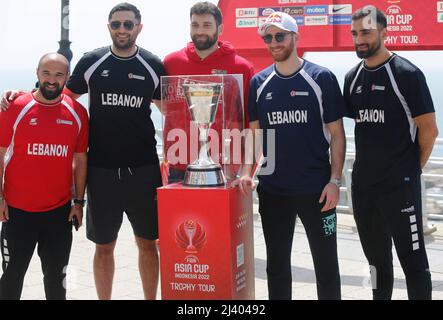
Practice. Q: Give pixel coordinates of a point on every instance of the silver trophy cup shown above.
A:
(202, 100)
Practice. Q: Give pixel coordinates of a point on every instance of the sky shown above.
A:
(30, 28)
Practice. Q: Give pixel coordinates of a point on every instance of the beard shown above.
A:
(129, 43)
(285, 54)
(205, 44)
(372, 49)
(50, 94)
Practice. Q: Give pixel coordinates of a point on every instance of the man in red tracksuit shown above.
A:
(43, 144)
(205, 55)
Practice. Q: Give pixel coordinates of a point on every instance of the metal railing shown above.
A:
(432, 182)
(432, 186)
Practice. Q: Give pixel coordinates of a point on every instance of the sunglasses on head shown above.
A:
(128, 25)
(279, 37)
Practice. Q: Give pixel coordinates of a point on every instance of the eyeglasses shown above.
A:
(279, 37)
(128, 25)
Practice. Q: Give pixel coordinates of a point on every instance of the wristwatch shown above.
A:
(337, 182)
(1, 197)
(80, 202)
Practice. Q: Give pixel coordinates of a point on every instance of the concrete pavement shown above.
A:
(353, 266)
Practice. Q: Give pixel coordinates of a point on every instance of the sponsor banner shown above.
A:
(265, 12)
(412, 25)
(402, 25)
(340, 9)
(246, 12)
(399, 20)
(300, 21)
(316, 10)
(340, 20)
(316, 20)
(247, 23)
(294, 11)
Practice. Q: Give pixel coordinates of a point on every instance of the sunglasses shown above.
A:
(128, 25)
(279, 37)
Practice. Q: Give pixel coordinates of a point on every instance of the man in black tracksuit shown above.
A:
(395, 129)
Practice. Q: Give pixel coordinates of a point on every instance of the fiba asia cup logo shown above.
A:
(190, 236)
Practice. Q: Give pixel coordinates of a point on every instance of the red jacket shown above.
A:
(224, 60)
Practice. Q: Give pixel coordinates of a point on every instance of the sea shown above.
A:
(25, 80)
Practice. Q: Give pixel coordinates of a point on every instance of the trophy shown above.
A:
(202, 100)
(190, 229)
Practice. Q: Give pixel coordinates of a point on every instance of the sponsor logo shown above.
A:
(266, 12)
(300, 20)
(377, 88)
(67, 122)
(340, 20)
(359, 89)
(247, 23)
(340, 9)
(190, 236)
(440, 17)
(330, 224)
(294, 11)
(299, 93)
(316, 10)
(316, 20)
(408, 210)
(393, 10)
(440, 6)
(269, 96)
(246, 12)
(105, 73)
(136, 77)
(191, 259)
(33, 122)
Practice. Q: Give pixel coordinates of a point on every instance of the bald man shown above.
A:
(43, 144)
